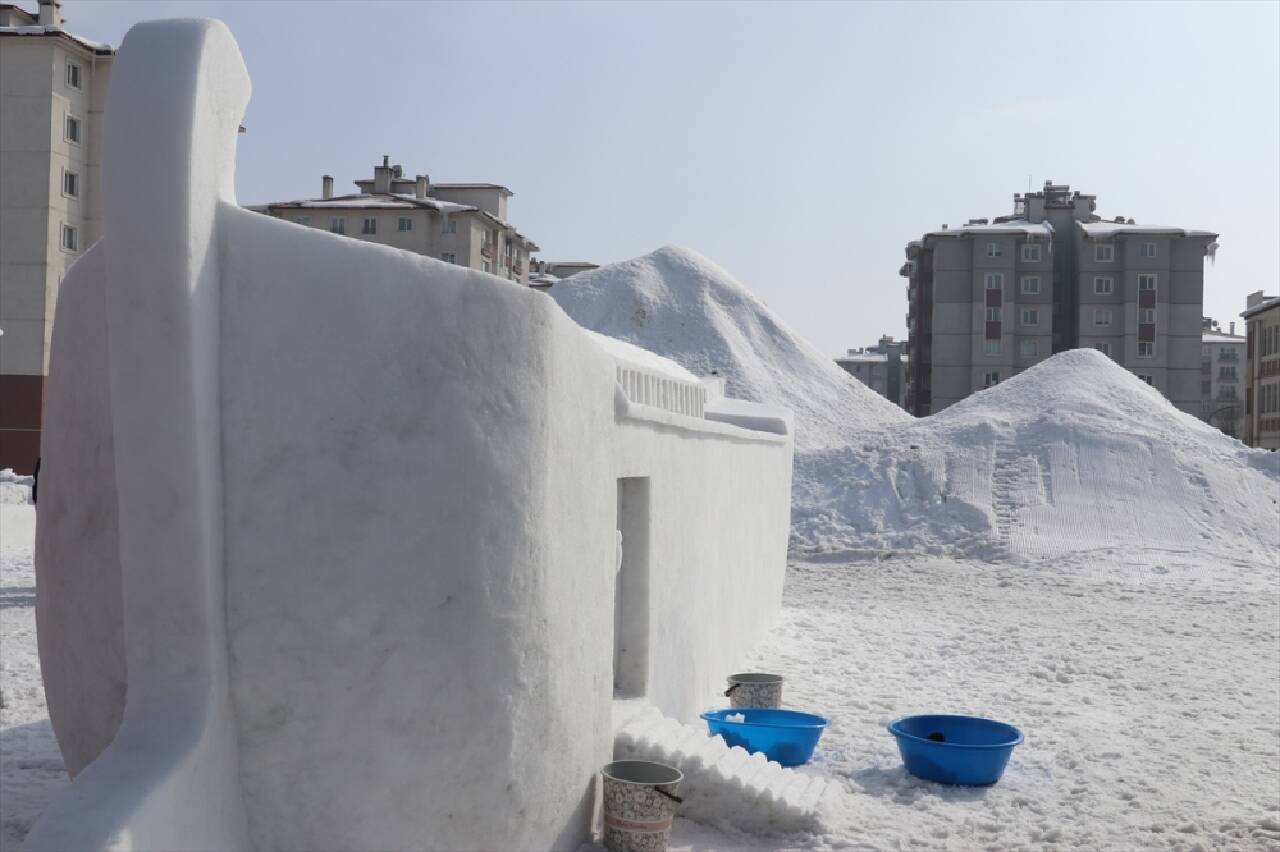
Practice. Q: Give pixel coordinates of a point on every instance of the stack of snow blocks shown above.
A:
(328, 532)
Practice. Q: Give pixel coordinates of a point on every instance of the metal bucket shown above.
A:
(752, 689)
(639, 802)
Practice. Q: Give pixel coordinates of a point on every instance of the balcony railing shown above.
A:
(486, 251)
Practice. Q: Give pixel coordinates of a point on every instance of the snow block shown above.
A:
(328, 534)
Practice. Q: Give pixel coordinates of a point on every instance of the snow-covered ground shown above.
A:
(1147, 682)
(1065, 551)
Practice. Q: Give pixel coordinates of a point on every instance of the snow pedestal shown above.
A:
(327, 546)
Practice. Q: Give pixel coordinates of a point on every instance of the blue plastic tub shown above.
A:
(787, 736)
(955, 749)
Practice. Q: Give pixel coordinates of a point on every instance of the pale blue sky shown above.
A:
(798, 145)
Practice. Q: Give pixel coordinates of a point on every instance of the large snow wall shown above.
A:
(343, 547)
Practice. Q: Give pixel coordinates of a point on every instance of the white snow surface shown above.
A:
(684, 307)
(1075, 454)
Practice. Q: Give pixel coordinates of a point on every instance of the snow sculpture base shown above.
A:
(328, 542)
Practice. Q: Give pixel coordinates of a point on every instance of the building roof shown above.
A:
(57, 32)
(1013, 226)
(1220, 337)
(505, 191)
(1103, 230)
(1265, 305)
(393, 201)
(865, 358)
(363, 201)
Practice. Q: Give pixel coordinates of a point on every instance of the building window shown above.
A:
(449, 257)
(993, 249)
(1031, 284)
(302, 220)
(991, 377)
(1101, 316)
(337, 225)
(1103, 347)
(1031, 252)
(70, 238)
(1146, 282)
(1146, 315)
(1146, 377)
(991, 347)
(488, 267)
(449, 226)
(1030, 316)
(994, 281)
(1228, 373)
(993, 314)
(1146, 349)
(73, 75)
(1104, 252)
(1147, 250)
(405, 224)
(370, 225)
(1029, 347)
(70, 183)
(1103, 286)
(72, 131)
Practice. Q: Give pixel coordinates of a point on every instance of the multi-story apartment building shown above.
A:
(462, 223)
(1262, 371)
(562, 268)
(52, 89)
(1222, 365)
(991, 298)
(881, 367)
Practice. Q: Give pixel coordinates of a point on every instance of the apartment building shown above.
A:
(990, 298)
(53, 86)
(1222, 365)
(462, 223)
(881, 367)
(1262, 371)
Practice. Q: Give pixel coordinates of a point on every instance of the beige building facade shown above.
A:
(53, 86)
(462, 223)
(1262, 371)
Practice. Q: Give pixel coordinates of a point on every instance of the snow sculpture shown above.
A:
(328, 544)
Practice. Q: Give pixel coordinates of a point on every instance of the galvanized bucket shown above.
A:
(639, 803)
(751, 689)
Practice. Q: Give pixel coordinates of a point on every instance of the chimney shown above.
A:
(420, 187)
(50, 13)
(326, 186)
(1233, 328)
(382, 176)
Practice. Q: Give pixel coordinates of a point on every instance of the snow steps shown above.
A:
(727, 787)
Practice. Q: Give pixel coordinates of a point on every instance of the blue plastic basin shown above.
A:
(786, 736)
(955, 749)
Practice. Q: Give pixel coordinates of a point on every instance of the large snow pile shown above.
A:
(1075, 454)
(1071, 455)
(679, 304)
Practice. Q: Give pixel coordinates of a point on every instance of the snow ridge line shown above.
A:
(725, 787)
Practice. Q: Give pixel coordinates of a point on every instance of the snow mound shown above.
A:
(1075, 454)
(14, 488)
(684, 307)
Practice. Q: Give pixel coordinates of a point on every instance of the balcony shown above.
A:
(517, 268)
(486, 251)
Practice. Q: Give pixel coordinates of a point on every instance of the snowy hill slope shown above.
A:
(681, 305)
(1073, 455)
